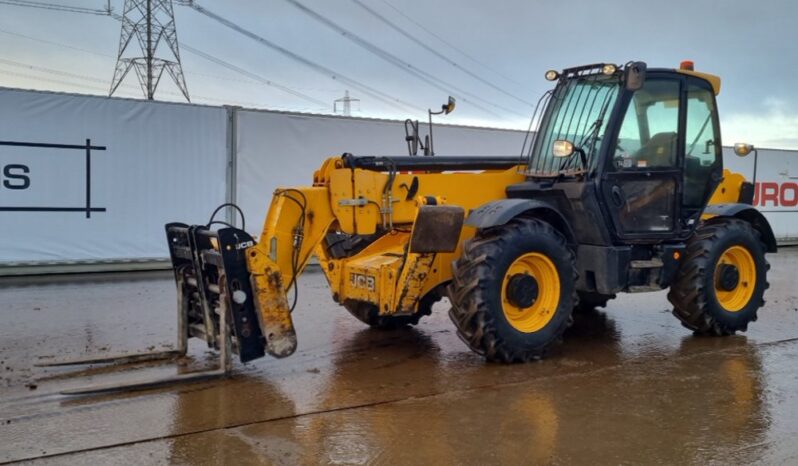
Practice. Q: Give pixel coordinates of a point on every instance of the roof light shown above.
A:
(687, 65)
(609, 69)
(552, 75)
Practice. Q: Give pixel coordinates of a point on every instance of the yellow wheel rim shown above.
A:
(535, 317)
(736, 299)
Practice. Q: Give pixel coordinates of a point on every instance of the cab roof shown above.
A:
(711, 78)
(686, 67)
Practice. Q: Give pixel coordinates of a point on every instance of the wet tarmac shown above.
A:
(628, 386)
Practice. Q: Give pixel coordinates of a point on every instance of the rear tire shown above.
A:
(701, 300)
(492, 321)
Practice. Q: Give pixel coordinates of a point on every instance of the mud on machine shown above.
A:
(620, 188)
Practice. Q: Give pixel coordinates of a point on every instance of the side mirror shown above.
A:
(562, 148)
(635, 75)
(449, 107)
(742, 149)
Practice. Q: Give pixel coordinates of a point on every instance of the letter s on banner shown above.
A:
(16, 176)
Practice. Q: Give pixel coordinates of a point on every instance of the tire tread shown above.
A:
(473, 272)
(688, 293)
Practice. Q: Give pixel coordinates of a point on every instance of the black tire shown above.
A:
(589, 301)
(478, 277)
(693, 293)
(369, 314)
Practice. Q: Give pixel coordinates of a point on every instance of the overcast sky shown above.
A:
(509, 45)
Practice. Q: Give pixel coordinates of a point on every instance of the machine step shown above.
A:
(646, 264)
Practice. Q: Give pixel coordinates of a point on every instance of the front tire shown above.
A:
(722, 281)
(512, 291)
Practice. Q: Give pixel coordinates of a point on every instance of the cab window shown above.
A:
(702, 147)
(648, 137)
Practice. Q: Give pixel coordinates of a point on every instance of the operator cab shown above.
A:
(628, 150)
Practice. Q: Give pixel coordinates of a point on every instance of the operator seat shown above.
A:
(659, 151)
(649, 205)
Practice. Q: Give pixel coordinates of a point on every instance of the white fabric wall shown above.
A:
(164, 162)
(282, 149)
(167, 162)
(278, 149)
(777, 179)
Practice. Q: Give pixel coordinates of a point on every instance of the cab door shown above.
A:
(641, 183)
(703, 154)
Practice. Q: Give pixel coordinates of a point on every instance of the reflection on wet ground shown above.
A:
(629, 385)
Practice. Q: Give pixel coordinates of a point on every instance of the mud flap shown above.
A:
(211, 273)
(436, 229)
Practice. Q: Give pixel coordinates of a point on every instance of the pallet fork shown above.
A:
(214, 304)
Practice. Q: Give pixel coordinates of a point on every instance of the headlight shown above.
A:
(609, 70)
(742, 149)
(552, 75)
(562, 148)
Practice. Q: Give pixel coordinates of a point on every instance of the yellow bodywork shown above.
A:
(727, 192)
(386, 273)
(353, 201)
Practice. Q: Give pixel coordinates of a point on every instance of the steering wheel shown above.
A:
(618, 160)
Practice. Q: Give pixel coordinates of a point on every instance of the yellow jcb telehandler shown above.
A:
(620, 188)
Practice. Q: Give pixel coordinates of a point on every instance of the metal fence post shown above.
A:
(231, 176)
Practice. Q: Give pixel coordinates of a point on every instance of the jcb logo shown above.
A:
(244, 245)
(359, 280)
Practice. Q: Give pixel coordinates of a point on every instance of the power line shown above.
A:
(58, 44)
(150, 22)
(366, 89)
(242, 71)
(51, 71)
(384, 97)
(399, 63)
(66, 74)
(251, 75)
(56, 7)
(58, 81)
(450, 45)
(102, 90)
(255, 79)
(438, 54)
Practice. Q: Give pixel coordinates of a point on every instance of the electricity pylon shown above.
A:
(347, 101)
(151, 22)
